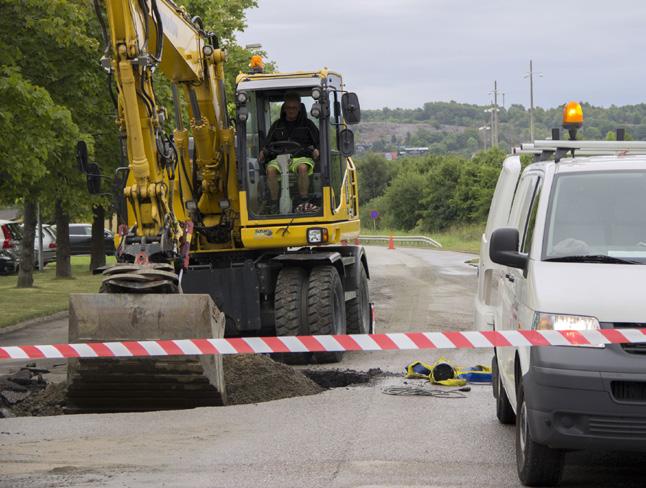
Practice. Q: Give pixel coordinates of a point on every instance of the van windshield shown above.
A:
(599, 215)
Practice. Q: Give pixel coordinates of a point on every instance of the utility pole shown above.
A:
(483, 129)
(491, 125)
(494, 115)
(530, 75)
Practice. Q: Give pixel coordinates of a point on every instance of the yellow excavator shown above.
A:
(238, 223)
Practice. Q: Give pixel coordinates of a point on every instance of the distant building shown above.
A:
(391, 156)
(412, 151)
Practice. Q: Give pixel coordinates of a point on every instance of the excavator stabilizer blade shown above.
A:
(140, 384)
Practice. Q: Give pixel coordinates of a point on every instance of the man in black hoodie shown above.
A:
(293, 125)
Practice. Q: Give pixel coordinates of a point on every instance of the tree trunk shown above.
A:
(26, 272)
(97, 258)
(63, 251)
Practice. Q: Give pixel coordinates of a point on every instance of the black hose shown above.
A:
(182, 163)
(195, 106)
(149, 102)
(113, 96)
(104, 29)
(143, 5)
(197, 21)
(160, 31)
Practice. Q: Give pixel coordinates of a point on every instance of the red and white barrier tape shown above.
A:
(322, 343)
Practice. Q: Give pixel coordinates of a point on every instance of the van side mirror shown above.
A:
(503, 248)
(81, 156)
(346, 143)
(93, 179)
(351, 108)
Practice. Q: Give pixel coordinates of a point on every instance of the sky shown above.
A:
(403, 53)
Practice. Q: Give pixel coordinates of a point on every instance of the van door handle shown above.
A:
(510, 277)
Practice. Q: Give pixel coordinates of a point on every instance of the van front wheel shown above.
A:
(537, 465)
(504, 412)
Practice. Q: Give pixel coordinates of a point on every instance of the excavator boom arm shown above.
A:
(149, 34)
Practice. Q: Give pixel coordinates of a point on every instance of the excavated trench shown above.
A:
(249, 379)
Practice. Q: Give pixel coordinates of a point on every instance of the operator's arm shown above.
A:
(315, 139)
(274, 135)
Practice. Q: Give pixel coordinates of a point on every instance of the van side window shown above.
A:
(522, 203)
(531, 220)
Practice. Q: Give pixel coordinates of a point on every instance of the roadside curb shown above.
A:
(35, 321)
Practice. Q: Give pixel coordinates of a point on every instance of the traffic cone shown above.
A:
(391, 243)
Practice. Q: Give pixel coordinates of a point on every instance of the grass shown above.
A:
(460, 238)
(49, 294)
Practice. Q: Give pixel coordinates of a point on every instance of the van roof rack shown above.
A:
(545, 150)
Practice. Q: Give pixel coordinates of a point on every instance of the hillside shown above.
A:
(453, 127)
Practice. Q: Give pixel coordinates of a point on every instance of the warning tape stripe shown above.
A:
(328, 343)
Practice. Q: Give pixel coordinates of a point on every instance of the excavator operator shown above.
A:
(293, 127)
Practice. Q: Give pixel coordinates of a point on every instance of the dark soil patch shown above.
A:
(338, 378)
(47, 402)
(256, 378)
(249, 379)
(26, 393)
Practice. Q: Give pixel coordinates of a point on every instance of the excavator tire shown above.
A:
(290, 310)
(326, 308)
(357, 310)
(143, 383)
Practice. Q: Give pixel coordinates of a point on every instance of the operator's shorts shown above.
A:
(294, 164)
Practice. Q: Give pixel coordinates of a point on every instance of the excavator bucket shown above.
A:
(141, 384)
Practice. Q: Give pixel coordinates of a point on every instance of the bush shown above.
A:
(430, 193)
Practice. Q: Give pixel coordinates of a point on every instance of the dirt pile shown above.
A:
(249, 379)
(26, 393)
(255, 379)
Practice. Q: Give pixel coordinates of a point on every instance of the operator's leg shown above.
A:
(303, 180)
(272, 182)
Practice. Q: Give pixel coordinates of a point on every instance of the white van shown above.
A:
(565, 248)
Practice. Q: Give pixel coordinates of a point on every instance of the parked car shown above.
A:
(8, 261)
(81, 239)
(10, 235)
(565, 249)
(10, 241)
(49, 245)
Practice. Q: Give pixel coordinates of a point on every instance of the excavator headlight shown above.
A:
(243, 114)
(317, 235)
(241, 97)
(315, 111)
(316, 93)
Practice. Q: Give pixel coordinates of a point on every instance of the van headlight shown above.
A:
(552, 321)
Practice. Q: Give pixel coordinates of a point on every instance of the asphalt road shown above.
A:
(346, 437)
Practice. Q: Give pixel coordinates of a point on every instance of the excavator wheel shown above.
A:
(357, 310)
(326, 308)
(290, 309)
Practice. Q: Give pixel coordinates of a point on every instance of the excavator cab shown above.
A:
(293, 165)
(283, 156)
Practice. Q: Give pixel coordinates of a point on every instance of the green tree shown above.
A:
(375, 173)
(46, 133)
(402, 199)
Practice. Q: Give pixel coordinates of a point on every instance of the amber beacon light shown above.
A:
(572, 115)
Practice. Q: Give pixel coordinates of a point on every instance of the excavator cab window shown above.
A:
(283, 152)
(338, 162)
